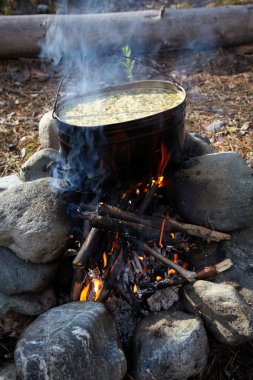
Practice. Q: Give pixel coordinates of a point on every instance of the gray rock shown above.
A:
(29, 303)
(18, 276)
(169, 346)
(48, 132)
(75, 341)
(226, 314)
(39, 165)
(34, 222)
(9, 181)
(9, 372)
(217, 192)
(163, 299)
(240, 251)
(195, 146)
(216, 125)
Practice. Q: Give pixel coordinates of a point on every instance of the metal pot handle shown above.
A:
(58, 90)
(150, 63)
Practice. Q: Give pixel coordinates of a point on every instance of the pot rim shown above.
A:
(163, 84)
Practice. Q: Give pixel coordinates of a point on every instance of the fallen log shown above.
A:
(23, 36)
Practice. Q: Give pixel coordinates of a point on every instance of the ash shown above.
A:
(125, 318)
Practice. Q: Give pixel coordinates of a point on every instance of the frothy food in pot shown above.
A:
(118, 107)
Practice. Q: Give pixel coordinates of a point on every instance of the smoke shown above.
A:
(88, 66)
(91, 65)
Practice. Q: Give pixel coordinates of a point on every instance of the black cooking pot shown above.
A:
(123, 152)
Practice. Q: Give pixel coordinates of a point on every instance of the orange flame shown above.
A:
(98, 285)
(166, 155)
(84, 293)
(171, 272)
(162, 230)
(135, 289)
(158, 278)
(104, 259)
(172, 235)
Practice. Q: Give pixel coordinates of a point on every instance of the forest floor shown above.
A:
(218, 83)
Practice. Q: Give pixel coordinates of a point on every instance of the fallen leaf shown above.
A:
(38, 74)
(19, 74)
(245, 49)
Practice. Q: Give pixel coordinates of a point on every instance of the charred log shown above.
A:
(147, 228)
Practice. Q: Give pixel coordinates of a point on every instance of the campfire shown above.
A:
(128, 215)
(121, 168)
(138, 246)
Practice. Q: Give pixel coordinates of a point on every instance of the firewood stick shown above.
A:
(214, 269)
(188, 275)
(79, 277)
(76, 291)
(147, 225)
(194, 230)
(148, 198)
(171, 224)
(111, 261)
(205, 273)
(105, 292)
(87, 248)
(122, 226)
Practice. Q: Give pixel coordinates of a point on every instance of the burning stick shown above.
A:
(146, 227)
(214, 269)
(111, 261)
(188, 275)
(148, 198)
(88, 247)
(79, 277)
(150, 288)
(170, 224)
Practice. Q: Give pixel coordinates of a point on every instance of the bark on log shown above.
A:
(148, 230)
(88, 247)
(154, 223)
(23, 36)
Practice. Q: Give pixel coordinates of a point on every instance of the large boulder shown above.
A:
(196, 145)
(228, 317)
(169, 345)
(49, 132)
(216, 192)
(9, 181)
(39, 165)
(28, 303)
(75, 341)
(8, 372)
(240, 251)
(34, 221)
(18, 276)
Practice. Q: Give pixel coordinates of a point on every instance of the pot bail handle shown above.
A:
(54, 115)
(147, 61)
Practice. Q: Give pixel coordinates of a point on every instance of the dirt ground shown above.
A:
(219, 85)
